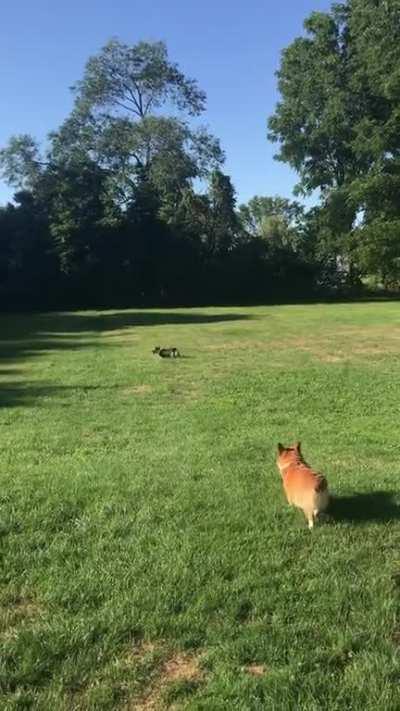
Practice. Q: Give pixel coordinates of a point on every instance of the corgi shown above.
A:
(303, 487)
(166, 352)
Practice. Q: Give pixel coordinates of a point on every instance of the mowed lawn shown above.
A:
(148, 557)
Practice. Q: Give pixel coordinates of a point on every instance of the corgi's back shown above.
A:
(302, 485)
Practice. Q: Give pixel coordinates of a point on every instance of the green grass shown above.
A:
(143, 524)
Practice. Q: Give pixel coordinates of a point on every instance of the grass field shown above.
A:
(148, 558)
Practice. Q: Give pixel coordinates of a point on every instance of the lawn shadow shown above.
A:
(375, 506)
(129, 319)
(27, 336)
(30, 393)
(68, 323)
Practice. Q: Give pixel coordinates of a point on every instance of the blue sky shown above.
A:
(232, 49)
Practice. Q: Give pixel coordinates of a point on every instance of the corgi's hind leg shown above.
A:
(310, 518)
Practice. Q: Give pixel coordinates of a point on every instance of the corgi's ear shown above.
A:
(297, 446)
(280, 448)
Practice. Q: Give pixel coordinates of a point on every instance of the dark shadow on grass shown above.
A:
(29, 394)
(24, 336)
(27, 336)
(376, 506)
(72, 323)
(24, 349)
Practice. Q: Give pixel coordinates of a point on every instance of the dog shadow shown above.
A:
(377, 506)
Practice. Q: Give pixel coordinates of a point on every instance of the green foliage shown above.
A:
(91, 177)
(313, 120)
(338, 124)
(377, 248)
(223, 224)
(77, 217)
(20, 163)
(28, 262)
(137, 79)
(276, 220)
(118, 103)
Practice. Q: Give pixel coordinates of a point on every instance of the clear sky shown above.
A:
(231, 48)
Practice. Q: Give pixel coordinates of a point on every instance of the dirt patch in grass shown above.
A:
(144, 649)
(184, 392)
(22, 608)
(331, 358)
(241, 345)
(255, 669)
(395, 637)
(18, 613)
(177, 391)
(177, 668)
(138, 390)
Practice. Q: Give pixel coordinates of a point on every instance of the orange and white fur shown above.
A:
(303, 487)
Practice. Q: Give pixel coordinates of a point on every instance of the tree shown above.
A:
(375, 28)
(137, 80)
(20, 162)
(116, 124)
(274, 219)
(117, 119)
(377, 247)
(28, 264)
(78, 219)
(223, 227)
(113, 157)
(313, 120)
(339, 115)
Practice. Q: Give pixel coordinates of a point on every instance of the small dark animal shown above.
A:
(166, 352)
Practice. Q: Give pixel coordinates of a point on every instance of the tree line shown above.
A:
(108, 213)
